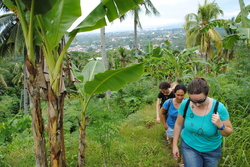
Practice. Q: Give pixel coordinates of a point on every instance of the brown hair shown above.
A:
(197, 86)
(164, 85)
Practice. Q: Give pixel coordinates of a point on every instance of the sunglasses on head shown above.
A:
(199, 101)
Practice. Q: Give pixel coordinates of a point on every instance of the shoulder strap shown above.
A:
(169, 104)
(185, 109)
(216, 107)
(186, 106)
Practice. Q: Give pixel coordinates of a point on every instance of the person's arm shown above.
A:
(177, 130)
(163, 117)
(226, 125)
(158, 102)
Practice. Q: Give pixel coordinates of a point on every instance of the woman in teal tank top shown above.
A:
(203, 129)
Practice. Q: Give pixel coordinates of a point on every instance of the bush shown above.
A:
(9, 107)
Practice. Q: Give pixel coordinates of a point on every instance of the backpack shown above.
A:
(186, 106)
(169, 104)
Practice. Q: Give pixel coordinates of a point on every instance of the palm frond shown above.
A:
(150, 9)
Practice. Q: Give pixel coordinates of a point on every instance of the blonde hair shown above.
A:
(174, 84)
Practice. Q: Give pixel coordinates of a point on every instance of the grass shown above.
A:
(139, 143)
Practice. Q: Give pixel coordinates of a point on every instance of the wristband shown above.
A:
(223, 127)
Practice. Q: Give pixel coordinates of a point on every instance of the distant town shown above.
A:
(92, 42)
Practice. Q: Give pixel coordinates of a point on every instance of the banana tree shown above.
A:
(44, 24)
(94, 80)
(180, 64)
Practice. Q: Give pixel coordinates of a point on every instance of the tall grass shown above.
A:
(139, 143)
(234, 93)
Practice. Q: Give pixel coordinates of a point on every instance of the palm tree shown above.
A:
(11, 38)
(12, 41)
(124, 56)
(194, 22)
(20, 79)
(149, 9)
(5, 22)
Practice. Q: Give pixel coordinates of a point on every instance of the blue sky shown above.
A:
(172, 13)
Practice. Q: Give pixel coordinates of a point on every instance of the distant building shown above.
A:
(96, 58)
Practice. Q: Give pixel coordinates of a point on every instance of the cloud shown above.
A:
(172, 12)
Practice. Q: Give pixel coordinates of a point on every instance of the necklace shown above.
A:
(200, 130)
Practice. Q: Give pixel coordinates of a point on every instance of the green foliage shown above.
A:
(87, 74)
(230, 40)
(138, 140)
(13, 126)
(20, 151)
(71, 147)
(80, 59)
(113, 79)
(71, 115)
(105, 134)
(134, 96)
(231, 89)
(7, 71)
(121, 129)
(9, 106)
(236, 147)
(243, 15)
(105, 11)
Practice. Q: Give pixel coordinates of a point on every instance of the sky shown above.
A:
(172, 13)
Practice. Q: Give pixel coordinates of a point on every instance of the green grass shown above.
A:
(139, 143)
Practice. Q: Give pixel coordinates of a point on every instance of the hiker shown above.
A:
(164, 94)
(204, 125)
(171, 106)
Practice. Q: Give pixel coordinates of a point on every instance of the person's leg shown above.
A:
(181, 162)
(171, 142)
(170, 134)
(191, 157)
(211, 158)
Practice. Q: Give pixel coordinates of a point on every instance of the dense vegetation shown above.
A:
(121, 129)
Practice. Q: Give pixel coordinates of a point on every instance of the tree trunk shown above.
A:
(25, 91)
(136, 39)
(82, 142)
(36, 115)
(55, 128)
(104, 55)
(55, 106)
(103, 48)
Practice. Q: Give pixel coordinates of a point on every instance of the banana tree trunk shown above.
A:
(55, 107)
(55, 128)
(82, 142)
(25, 91)
(36, 115)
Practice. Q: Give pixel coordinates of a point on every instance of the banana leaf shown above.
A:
(113, 79)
